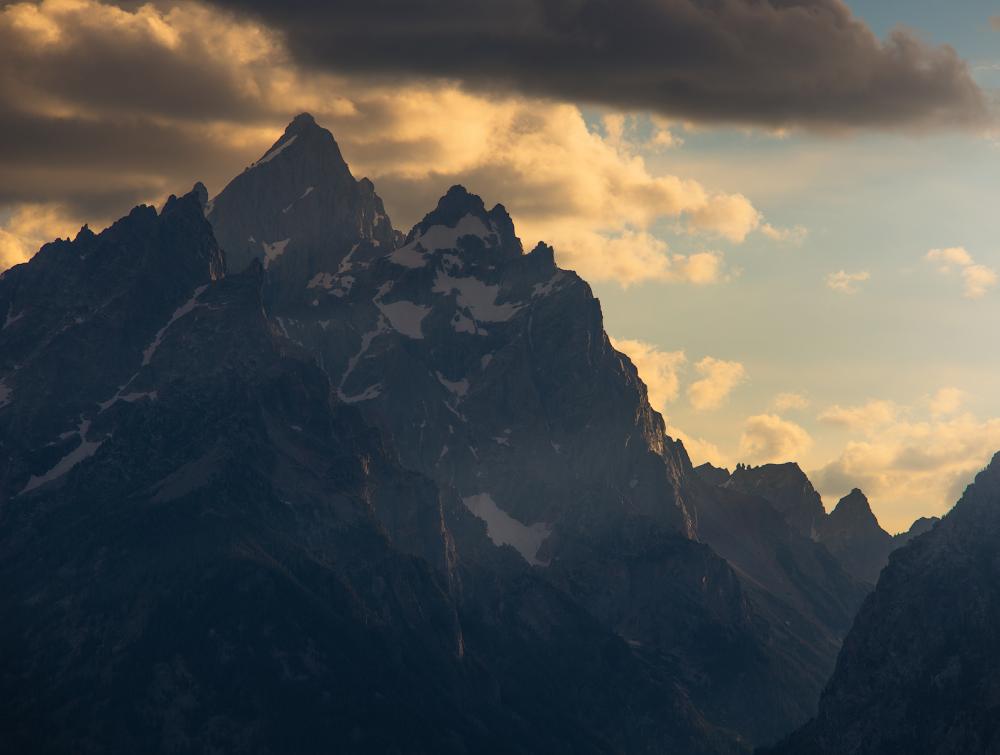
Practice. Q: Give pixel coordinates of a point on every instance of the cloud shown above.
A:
(28, 226)
(769, 438)
(794, 235)
(775, 63)
(719, 378)
(789, 401)
(846, 283)
(657, 369)
(978, 279)
(865, 417)
(103, 107)
(946, 401)
(909, 464)
(699, 449)
(732, 217)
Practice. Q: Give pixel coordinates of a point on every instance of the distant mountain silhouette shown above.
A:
(917, 673)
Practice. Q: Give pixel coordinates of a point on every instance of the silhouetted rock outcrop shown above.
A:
(852, 533)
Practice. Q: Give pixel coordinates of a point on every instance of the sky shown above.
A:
(786, 208)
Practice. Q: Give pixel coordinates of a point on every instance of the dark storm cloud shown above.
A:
(767, 62)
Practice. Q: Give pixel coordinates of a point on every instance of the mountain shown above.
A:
(918, 671)
(850, 532)
(278, 478)
(203, 549)
(488, 370)
(787, 488)
(853, 535)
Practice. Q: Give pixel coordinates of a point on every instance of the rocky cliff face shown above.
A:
(918, 671)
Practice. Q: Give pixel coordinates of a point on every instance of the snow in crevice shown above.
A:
(484, 362)
(275, 152)
(188, 306)
(309, 190)
(503, 529)
(480, 299)
(84, 450)
(11, 317)
(273, 251)
(457, 388)
(544, 289)
(381, 327)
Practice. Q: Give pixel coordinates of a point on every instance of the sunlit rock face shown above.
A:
(917, 673)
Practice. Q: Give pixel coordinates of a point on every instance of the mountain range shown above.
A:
(276, 477)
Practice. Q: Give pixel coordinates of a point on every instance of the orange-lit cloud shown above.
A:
(769, 438)
(110, 106)
(718, 379)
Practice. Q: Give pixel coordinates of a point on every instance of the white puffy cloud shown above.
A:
(769, 438)
(789, 401)
(658, 369)
(845, 282)
(907, 466)
(977, 279)
(719, 378)
(699, 449)
(794, 235)
(731, 216)
(946, 401)
(865, 417)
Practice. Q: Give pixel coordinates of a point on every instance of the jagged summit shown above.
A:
(461, 209)
(853, 511)
(853, 534)
(299, 208)
(787, 488)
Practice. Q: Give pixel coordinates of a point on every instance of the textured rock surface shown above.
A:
(918, 671)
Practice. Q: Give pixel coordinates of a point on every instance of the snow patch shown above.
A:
(544, 289)
(405, 316)
(479, 298)
(273, 251)
(503, 529)
(366, 341)
(436, 237)
(322, 280)
(485, 361)
(458, 387)
(5, 393)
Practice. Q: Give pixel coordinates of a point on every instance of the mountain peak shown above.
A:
(301, 121)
